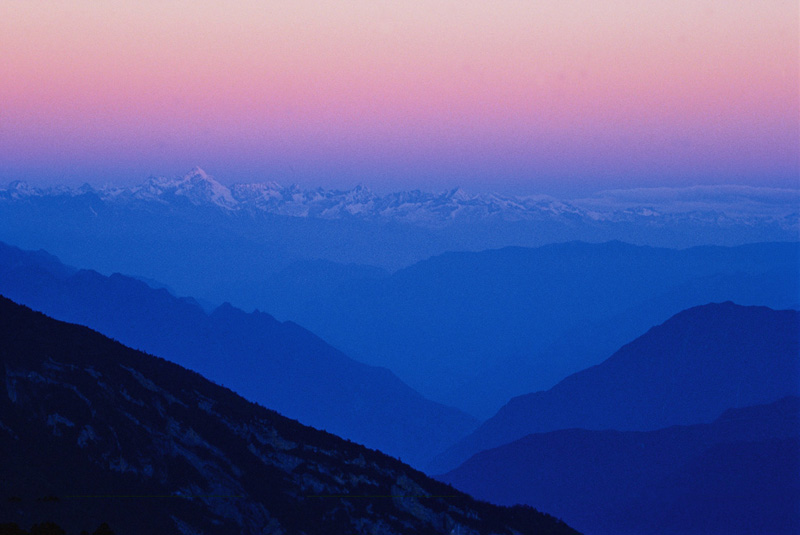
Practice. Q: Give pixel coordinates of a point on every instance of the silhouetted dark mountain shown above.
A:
(280, 365)
(92, 431)
(472, 330)
(737, 475)
(688, 370)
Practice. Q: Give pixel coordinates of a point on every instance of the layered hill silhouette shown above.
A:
(92, 431)
(280, 365)
(473, 330)
(737, 475)
(469, 330)
(687, 370)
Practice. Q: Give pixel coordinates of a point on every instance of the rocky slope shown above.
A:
(92, 431)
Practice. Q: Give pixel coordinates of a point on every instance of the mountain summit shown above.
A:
(197, 187)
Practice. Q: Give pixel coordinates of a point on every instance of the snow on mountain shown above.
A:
(260, 193)
(718, 205)
(198, 187)
(711, 203)
(18, 190)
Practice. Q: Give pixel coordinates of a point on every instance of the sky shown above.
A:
(511, 95)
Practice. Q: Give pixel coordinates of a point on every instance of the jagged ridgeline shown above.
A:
(92, 431)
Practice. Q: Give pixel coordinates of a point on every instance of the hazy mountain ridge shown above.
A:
(118, 432)
(280, 365)
(717, 205)
(687, 370)
(739, 474)
(473, 329)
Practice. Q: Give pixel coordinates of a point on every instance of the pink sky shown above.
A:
(509, 95)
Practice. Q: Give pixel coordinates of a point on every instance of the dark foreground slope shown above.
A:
(737, 475)
(279, 365)
(688, 370)
(108, 434)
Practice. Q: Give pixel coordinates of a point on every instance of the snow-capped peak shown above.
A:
(198, 173)
(197, 186)
(19, 189)
(459, 194)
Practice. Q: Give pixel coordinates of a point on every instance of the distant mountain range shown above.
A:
(722, 205)
(92, 431)
(280, 365)
(738, 475)
(219, 243)
(688, 370)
